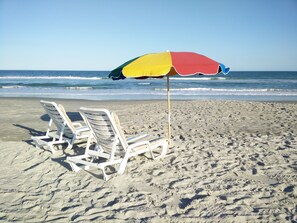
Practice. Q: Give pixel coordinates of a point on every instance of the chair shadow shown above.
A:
(78, 149)
(74, 116)
(32, 132)
(66, 165)
(61, 161)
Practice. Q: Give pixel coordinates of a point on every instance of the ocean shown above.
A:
(95, 85)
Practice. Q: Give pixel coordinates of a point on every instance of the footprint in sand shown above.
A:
(254, 171)
(289, 189)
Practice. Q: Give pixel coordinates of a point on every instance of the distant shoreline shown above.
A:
(111, 70)
(139, 100)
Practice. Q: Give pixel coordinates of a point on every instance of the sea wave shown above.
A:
(198, 78)
(228, 90)
(12, 86)
(146, 94)
(79, 88)
(84, 94)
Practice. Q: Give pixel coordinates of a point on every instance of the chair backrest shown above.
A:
(106, 130)
(60, 118)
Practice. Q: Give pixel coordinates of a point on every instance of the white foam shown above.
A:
(79, 88)
(223, 91)
(13, 86)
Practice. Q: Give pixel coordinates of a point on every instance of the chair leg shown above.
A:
(52, 148)
(74, 167)
(88, 167)
(164, 149)
(70, 144)
(105, 176)
(163, 153)
(123, 164)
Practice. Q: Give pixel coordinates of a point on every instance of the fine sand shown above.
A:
(228, 162)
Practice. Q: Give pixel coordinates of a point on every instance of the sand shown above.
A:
(229, 162)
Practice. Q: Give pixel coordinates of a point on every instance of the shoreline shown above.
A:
(230, 161)
(146, 100)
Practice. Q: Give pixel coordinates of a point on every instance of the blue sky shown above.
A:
(100, 35)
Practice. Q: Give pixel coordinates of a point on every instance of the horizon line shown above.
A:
(112, 69)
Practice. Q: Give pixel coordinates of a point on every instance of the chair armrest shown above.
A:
(76, 124)
(134, 145)
(82, 129)
(136, 138)
(128, 154)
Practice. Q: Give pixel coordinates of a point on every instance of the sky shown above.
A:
(246, 35)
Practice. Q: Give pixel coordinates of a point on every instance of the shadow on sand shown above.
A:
(74, 116)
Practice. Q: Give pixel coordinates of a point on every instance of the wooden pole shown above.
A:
(168, 104)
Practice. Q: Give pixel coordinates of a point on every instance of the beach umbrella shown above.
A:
(158, 65)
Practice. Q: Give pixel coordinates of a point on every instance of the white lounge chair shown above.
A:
(111, 145)
(66, 131)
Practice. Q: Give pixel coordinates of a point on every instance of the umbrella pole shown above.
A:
(168, 105)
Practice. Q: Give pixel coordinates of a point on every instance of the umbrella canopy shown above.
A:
(158, 65)
(168, 63)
